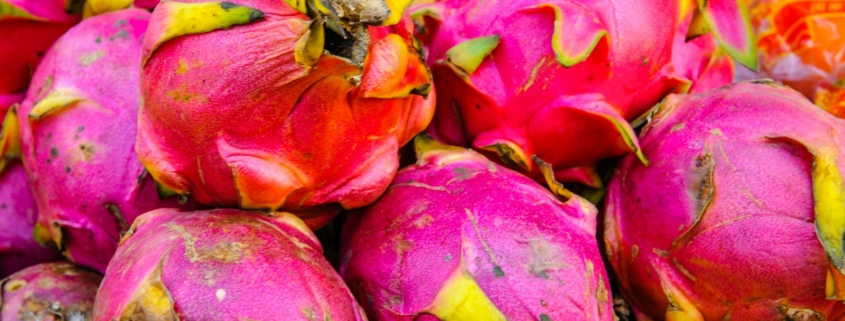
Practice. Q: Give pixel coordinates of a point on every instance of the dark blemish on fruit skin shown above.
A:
(80, 128)
(119, 35)
(98, 40)
(119, 23)
(67, 169)
(3, 206)
(498, 272)
(54, 152)
(226, 5)
(544, 317)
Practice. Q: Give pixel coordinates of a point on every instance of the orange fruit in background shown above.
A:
(802, 44)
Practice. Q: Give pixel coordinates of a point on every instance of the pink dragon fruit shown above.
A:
(457, 237)
(558, 79)
(78, 128)
(18, 214)
(736, 218)
(49, 292)
(276, 111)
(222, 265)
(28, 27)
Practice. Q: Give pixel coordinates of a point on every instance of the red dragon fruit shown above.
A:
(78, 128)
(457, 237)
(28, 27)
(49, 292)
(739, 215)
(222, 265)
(322, 116)
(559, 79)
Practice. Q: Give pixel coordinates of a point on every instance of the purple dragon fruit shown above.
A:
(457, 237)
(78, 126)
(222, 265)
(49, 292)
(740, 214)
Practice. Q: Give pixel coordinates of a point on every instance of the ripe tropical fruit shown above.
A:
(78, 128)
(800, 44)
(557, 79)
(735, 217)
(265, 105)
(18, 214)
(48, 292)
(222, 264)
(457, 237)
(28, 27)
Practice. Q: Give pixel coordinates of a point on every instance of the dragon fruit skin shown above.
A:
(28, 27)
(222, 264)
(18, 214)
(458, 228)
(49, 291)
(534, 99)
(276, 133)
(78, 127)
(691, 236)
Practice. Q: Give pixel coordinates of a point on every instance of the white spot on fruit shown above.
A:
(221, 294)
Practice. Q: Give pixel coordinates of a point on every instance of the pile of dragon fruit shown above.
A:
(451, 160)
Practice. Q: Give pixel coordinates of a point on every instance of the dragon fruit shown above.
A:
(49, 291)
(28, 27)
(278, 111)
(457, 237)
(222, 264)
(523, 78)
(78, 128)
(736, 217)
(18, 214)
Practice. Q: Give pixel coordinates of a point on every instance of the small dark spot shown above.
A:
(40, 54)
(119, 23)
(308, 155)
(67, 169)
(498, 272)
(543, 302)
(448, 257)
(48, 161)
(80, 128)
(544, 317)
(256, 15)
(544, 274)
(54, 152)
(477, 106)
(122, 34)
(3, 206)
(226, 5)
(98, 40)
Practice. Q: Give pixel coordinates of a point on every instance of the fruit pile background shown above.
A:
(430, 160)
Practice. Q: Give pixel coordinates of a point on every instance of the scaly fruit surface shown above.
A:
(457, 237)
(739, 215)
(78, 128)
(263, 107)
(523, 78)
(28, 27)
(49, 292)
(222, 265)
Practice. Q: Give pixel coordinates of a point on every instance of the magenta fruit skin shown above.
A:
(49, 292)
(222, 264)
(79, 155)
(18, 214)
(724, 215)
(534, 256)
